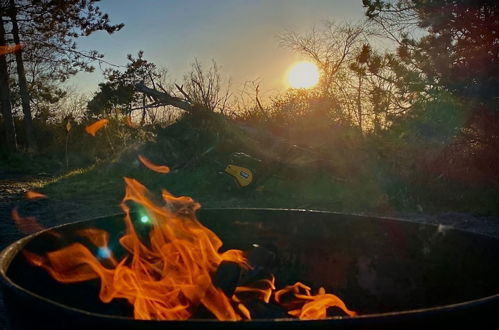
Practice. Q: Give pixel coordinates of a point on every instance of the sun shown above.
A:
(303, 75)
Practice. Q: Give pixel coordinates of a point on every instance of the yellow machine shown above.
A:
(243, 175)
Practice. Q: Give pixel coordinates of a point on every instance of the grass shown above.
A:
(102, 186)
(370, 186)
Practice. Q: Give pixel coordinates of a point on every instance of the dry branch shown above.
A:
(164, 98)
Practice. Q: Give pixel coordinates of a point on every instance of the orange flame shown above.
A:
(26, 225)
(156, 168)
(10, 49)
(166, 280)
(244, 311)
(313, 306)
(93, 128)
(261, 288)
(170, 277)
(317, 306)
(295, 288)
(34, 195)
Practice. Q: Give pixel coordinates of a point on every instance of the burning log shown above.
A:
(263, 262)
(227, 277)
(261, 310)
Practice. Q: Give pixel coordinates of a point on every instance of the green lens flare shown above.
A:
(144, 219)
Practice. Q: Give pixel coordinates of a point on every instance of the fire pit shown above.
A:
(396, 274)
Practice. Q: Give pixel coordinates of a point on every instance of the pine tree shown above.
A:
(52, 27)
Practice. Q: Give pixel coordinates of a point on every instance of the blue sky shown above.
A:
(240, 35)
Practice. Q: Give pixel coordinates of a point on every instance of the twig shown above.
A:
(181, 90)
(260, 107)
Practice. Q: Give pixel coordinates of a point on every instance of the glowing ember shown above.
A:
(93, 128)
(26, 225)
(156, 168)
(34, 195)
(170, 276)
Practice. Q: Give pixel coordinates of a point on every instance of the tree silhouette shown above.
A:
(52, 26)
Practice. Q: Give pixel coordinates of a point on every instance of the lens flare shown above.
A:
(93, 128)
(27, 225)
(153, 167)
(34, 195)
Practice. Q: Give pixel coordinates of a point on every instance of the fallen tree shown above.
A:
(163, 98)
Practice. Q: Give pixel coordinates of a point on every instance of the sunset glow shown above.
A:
(303, 75)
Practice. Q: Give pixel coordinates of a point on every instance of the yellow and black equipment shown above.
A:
(242, 175)
(242, 168)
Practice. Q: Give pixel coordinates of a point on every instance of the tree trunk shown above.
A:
(8, 120)
(23, 85)
(359, 103)
(143, 119)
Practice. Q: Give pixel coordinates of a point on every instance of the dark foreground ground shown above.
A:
(79, 206)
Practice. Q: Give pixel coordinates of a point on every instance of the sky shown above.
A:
(240, 35)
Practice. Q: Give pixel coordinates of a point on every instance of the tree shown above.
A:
(383, 93)
(23, 86)
(357, 82)
(8, 120)
(50, 27)
(118, 97)
(56, 25)
(331, 46)
(142, 86)
(459, 51)
(204, 88)
(448, 53)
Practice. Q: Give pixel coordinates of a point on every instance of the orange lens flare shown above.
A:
(26, 225)
(170, 276)
(93, 128)
(156, 168)
(10, 49)
(34, 195)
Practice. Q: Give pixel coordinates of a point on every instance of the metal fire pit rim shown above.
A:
(350, 214)
(11, 250)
